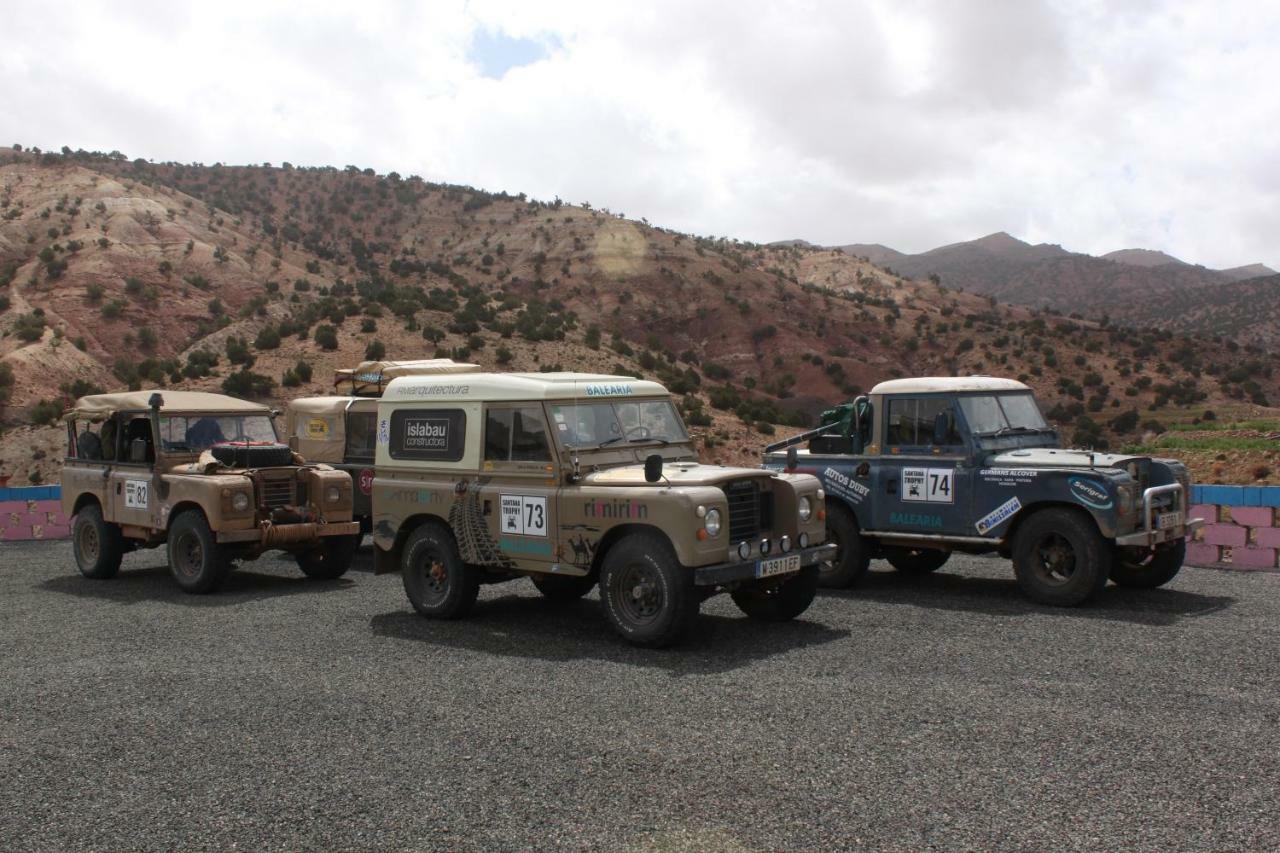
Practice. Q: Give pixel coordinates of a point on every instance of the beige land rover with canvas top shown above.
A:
(575, 479)
(203, 474)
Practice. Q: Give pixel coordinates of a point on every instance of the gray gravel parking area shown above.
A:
(944, 712)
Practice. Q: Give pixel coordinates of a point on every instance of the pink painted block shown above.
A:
(1225, 534)
(1252, 516)
(15, 533)
(1200, 554)
(52, 531)
(1254, 558)
(1209, 512)
(1266, 537)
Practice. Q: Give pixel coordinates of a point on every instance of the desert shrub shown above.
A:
(504, 355)
(326, 337)
(268, 338)
(303, 369)
(375, 350)
(46, 412)
(245, 383)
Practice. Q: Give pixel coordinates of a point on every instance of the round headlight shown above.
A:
(333, 494)
(711, 522)
(785, 544)
(744, 550)
(806, 508)
(240, 501)
(803, 539)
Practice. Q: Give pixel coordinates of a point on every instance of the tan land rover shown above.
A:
(205, 474)
(339, 429)
(576, 479)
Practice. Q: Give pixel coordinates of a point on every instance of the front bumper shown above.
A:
(1151, 536)
(275, 535)
(742, 570)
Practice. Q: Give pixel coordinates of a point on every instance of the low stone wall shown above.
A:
(1241, 530)
(32, 513)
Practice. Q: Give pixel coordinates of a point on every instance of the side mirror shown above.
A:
(653, 468)
(793, 458)
(942, 428)
(138, 450)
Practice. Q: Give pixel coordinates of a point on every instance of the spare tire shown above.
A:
(252, 454)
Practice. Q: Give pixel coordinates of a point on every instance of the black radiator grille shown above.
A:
(747, 513)
(277, 493)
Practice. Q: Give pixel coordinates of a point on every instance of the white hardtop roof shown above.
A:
(97, 406)
(334, 404)
(481, 387)
(939, 384)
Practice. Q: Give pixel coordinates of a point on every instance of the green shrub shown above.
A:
(245, 383)
(326, 337)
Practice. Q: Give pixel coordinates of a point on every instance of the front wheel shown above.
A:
(781, 602)
(438, 583)
(331, 559)
(1060, 558)
(1154, 568)
(648, 596)
(853, 552)
(563, 587)
(916, 561)
(99, 546)
(196, 560)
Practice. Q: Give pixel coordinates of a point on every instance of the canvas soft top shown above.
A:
(370, 378)
(98, 406)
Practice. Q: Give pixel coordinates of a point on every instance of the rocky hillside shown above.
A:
(260, 280)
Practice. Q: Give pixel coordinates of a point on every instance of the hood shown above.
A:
(674, 474)
(1053, 457)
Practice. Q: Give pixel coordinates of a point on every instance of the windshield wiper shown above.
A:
(1014, 429)
(648, 438)
(608, 441)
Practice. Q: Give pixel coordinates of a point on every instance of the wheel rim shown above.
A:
(188, 554)
(639, 594)
(435, 577)
(827, 567)
(87, 544)
(1054, 559)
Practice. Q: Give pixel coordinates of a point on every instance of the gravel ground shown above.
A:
(945, 712)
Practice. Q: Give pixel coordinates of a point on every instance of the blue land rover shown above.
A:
(923, 467)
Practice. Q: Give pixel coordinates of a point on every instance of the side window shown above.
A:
(516, 435)
(138, 429)
(911, 422)
(428, 435)
(361, 433)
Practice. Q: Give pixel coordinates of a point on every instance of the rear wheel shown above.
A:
(99, 546)
(196, 560)
(780, 602)
(1060, 558)
(563, 587)
(438, 583)
(916, 561)
(331, 558)
(853, 552)
(648, 596)
(1153, 568)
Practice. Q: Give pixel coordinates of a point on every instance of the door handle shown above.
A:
(891, 487)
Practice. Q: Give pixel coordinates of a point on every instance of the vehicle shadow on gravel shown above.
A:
(135, 586)
(528, 627)
(949, 591)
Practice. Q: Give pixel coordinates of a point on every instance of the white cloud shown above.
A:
(910, 123)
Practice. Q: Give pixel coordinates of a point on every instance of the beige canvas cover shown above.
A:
(369, 378)
(319, 425)
(98, 406)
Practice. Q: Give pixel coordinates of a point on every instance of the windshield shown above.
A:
(599, 423)
(991, 414)
(194, 433)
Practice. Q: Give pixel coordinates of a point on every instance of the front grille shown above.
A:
(746, 510)
(277, 493)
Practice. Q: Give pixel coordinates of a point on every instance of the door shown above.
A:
(921, 481)
(130, 486)
(518, 484)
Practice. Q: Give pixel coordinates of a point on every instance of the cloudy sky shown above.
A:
(1095, 125)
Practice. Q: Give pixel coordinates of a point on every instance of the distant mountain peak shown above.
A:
(1248, 271)
(1001, 241)
(1141, 258)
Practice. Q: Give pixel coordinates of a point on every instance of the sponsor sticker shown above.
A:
(841, 484)
(929, 485)
(914, 519)
(366, 481)
(1007, 476)
(384, 431)
(998, 516)
(317, 428)
(137, 494)
(1089, 492)
(524, 515)
(612, 390)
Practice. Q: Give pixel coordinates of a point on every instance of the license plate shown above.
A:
(778, 566)
(1168, 520)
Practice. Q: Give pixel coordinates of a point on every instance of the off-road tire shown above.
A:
(780, 602)
(916, 561)
(648, 597)
(98, 546)
(331, 559)
(439, 585)
(1159, 567)
(196, 560)
(1060, 558)
(242, 455)
(563, 587)
(854, 554)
